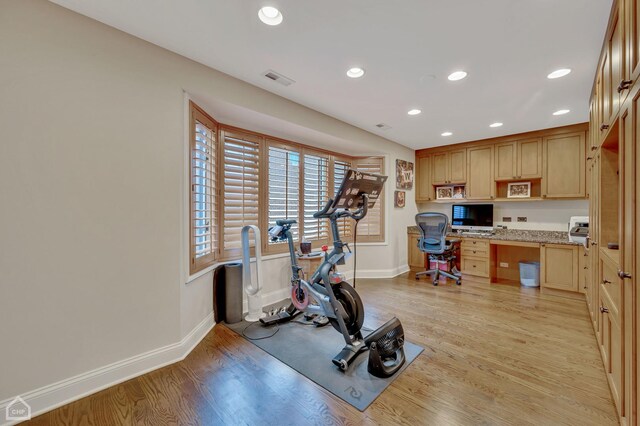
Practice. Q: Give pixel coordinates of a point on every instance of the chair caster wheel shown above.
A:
(417, 278)
(458, 282)
(435, 283)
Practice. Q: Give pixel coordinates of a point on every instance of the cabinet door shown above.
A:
(480, 185)
(458, 166)
(529, 159)
(416, 257)
(583, 274)
(615, 55)
(424, 189)
(559, 267)
(440, 168)
(564, 166)
(632, 39)
(505, 161)
(593, 234)
(605, 94)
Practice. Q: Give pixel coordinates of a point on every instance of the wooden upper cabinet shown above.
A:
(631, 42)
(564, 166)
(424, 188)
(518, 160)
(440, 168)
(505, 161)
(448, 167)
(481, 184)
(529, 159)
(458, 166)
(616, 57)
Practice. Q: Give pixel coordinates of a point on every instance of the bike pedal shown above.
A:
(321, 321)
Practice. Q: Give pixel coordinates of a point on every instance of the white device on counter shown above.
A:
(578, 229)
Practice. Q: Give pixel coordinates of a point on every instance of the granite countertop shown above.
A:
(524, 235)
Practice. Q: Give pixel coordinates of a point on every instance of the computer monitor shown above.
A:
(476, 217)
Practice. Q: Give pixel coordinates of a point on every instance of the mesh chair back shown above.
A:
(433, 227)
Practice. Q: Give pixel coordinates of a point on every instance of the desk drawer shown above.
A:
(475, 244)
(475, 266)
(474, 251)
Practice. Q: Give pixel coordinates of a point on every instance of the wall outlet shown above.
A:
(506, 219)
(504, 265)
(522, 219)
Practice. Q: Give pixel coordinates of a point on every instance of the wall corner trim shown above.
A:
(68, 390)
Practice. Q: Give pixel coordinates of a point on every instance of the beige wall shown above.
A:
(92, 183)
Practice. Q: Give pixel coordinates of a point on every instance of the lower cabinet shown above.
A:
(416, 257)
(559, 267)
(611, 338)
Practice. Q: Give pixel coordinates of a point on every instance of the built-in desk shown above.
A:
(495, 258)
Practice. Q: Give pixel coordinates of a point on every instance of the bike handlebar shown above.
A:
(357, 215)
(325, 209)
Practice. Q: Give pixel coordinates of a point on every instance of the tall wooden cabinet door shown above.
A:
(594, 226)
(615, 54)
(424, 189)
(627, 148)
(480, 183)
(505, 161)
(440, 168)
(559, 267)
(606, 94)
(632, 39)
(564, 166)
(458, 166)
(529, 159)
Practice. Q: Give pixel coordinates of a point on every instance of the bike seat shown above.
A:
(283, 222)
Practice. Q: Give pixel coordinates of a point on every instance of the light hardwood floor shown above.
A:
(493, 355)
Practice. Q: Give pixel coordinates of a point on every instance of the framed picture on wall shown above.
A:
(404, 174)
(400, 199)
(519, 190)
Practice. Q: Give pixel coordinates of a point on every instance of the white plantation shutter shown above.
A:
(340, 168)
(283, 186)
(240, 179)
(371, 228)
(203, 203)
(316, 193)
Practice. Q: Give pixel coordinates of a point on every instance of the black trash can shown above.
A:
(233, 293)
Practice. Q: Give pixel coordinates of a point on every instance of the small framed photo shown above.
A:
(444, 192)
(404, 174)
(458, 192)
(519, 190)
(400, 199)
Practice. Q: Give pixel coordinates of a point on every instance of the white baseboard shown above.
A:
(65, 391)
(378, 273)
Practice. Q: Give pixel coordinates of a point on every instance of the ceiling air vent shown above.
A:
(383, 126)
(278, 78)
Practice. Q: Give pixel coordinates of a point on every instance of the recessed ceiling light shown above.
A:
(414, 112)
(270, 15)
(559, 73)
(457, 75)
(561, 112)
(446, 134)
(355, 72)
(495, 124)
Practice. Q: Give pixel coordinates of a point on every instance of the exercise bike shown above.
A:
(326, 294)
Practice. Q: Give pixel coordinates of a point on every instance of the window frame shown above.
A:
(198, 264)
(264, 142)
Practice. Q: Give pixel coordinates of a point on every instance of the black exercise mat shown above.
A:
(309, 351)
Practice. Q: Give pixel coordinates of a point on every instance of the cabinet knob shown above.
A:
(624, 85)
(606, 282)
(594, 243)
(593, 148)
(604, 127)
(623, 274)
(604, 310)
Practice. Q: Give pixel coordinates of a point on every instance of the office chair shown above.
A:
(433, 228)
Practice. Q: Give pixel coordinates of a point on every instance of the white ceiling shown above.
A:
(407, 47)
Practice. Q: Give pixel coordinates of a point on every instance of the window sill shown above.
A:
(208, 269)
